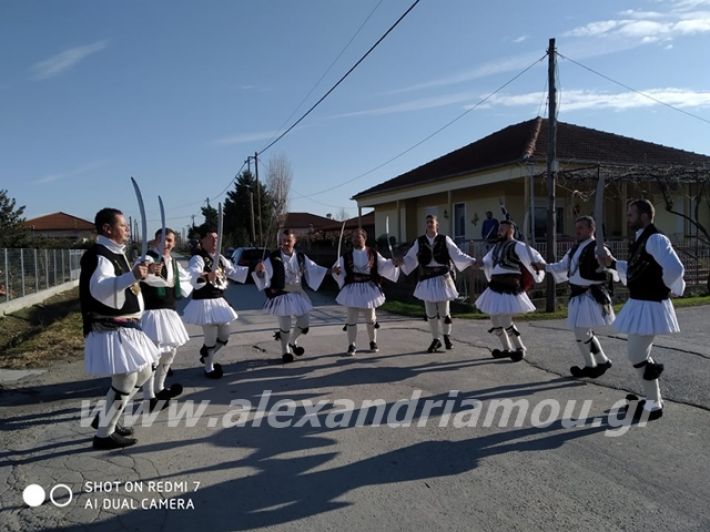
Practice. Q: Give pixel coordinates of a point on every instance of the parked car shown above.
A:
(248, 257)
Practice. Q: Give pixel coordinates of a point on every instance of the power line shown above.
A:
(327, 70)
(678, 109)
(442, 128)
(304, 115)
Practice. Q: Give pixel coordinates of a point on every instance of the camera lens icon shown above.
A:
(34, 495)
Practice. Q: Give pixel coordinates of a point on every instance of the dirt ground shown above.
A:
(43, 334)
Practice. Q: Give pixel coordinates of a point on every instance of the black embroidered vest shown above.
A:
(644, 276)
(157, 297)
(588, 263)
(505, 256)
(278, 278)
(92, 309)
(438, 251)
(208, 290)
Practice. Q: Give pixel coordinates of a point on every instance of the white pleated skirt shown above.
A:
(209, 312)
(647, 318)
(119, 351)
(165, 328)
(289, 304)
(361, 295)
(436, 289)
(490, 302)
(584, 311)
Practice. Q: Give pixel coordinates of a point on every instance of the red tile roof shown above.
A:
(59, 221)
(351, 223)
(528, 141)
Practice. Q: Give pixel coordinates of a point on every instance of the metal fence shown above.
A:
(25, 271)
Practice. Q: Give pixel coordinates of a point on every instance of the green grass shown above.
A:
(416, 309)
(41, 334)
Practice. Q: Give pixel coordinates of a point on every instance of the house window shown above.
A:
(459, 223)
(541, 222)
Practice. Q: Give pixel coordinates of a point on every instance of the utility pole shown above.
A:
(551, 303)
(251, 217)
(258, 195)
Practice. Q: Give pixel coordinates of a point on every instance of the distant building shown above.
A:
(304, 224)
(510, 166)
(60, 225)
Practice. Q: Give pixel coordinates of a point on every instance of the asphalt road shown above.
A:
(420, 461)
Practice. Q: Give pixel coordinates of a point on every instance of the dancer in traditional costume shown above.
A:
(111, 307)
(209, 271)
(510, 273)
(281, 278)
(589, 304)
(433, 254)
(167, 282)
(359, 273)
(653, 273)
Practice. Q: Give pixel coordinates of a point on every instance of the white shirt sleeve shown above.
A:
(105, 287)
(264, 281)
(527, 256)
(559, 270)
(488, 264)
(410, 261)
(314, 273)
(387, 269)
(661, 249)
(235, 273)
(458, 257)
(196, 269)
(339, 277)
(185, 284)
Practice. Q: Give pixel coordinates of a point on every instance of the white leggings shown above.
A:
(639, 350)
(289, 335)
(437, 314)
(370, 321)
(123, 387)
(505, 329)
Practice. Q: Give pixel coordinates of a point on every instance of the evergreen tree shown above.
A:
(237, 211)
(13, 232)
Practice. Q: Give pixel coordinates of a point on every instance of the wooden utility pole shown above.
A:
(251, 216)
(551, 173)
(258, 196)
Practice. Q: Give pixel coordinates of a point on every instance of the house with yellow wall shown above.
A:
(509, 167)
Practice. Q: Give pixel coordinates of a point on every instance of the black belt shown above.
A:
(598, 292)
(112, 324)
(429, 272)
(506, 284)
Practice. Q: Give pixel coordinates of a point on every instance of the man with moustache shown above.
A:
(111, 308)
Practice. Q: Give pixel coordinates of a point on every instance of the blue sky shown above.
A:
(179, 93)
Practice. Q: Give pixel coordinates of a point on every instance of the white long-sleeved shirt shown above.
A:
(361, 264)
(459, 258)
(105, 287)
(661, 249)
(196, 269)
(570, 264)
(526, 259)
(313, 273)
(184, 277)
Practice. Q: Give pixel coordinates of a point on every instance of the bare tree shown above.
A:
(278, 183)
